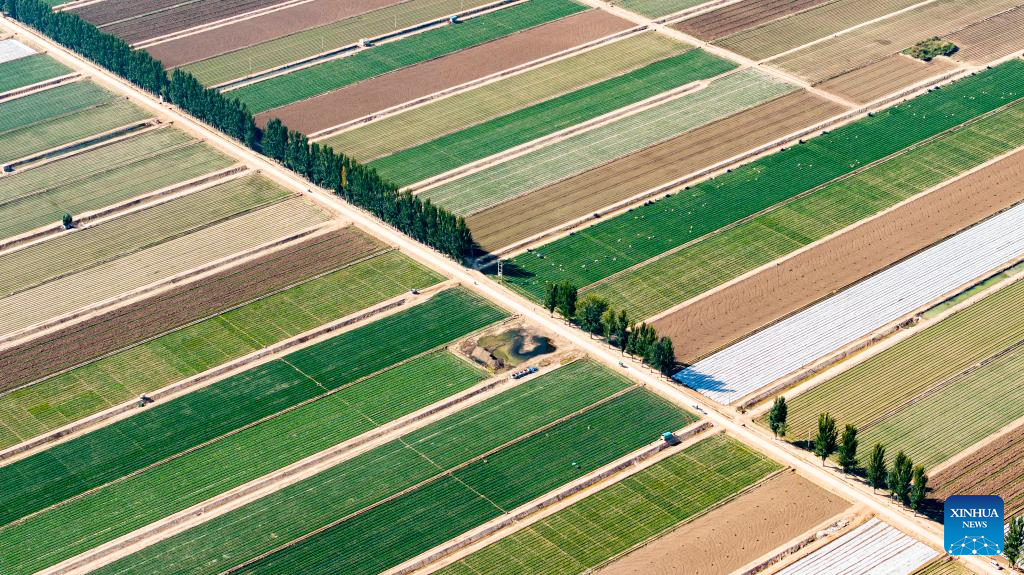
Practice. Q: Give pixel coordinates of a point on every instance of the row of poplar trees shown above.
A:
(323, 166)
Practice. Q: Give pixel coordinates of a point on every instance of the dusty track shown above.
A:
(774, 512)
(249, 32)
(357, 100)
(626, 177)
(741, 16)
(713, 321)
(875, 80)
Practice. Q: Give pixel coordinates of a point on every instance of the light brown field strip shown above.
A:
(357, 100)
(996, 469)
(884, 77)
(991, 39)
(743, 15)
(634, 174)
(727, 315)
(253, 31)
(764, 518)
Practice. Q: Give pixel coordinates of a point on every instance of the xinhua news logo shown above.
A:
(974, 525)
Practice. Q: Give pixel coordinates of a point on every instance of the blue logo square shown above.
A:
(974, 525)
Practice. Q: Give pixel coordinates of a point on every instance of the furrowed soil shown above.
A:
(422, 79)
(741, 16)
(260, 29)
(996, 469)
(126, 325)
(109, 11)
(990, 39)
(626, 177)
(764, 518)
(713, 322)
(182, 18)
(884, 77)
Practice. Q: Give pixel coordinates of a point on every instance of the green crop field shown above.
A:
(58, 101)
(460, 111)
(432, 512)
(453, 150)
(611, 246)
(575, 155)
(646, 290)
(624, 514)
(308, 43)
(968, 363)
(659, 8)
(234, 460)
(29, 70)
(70, 253)
(67, 397)
(60, 130)
(142, 164)
(308, 82)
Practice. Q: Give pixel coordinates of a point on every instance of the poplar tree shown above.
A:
(826, 440)
(877, 473)
(777, 416)
(848, 449)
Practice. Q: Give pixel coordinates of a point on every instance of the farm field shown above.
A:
(29, 70)
(631, 511)
(647, 231)
(245, 456)
(425, 46)
(299, 45)
(766, 517)
(576, 154)
(453, 150)
(995, 469)
(883, 77)
(453, 113)
(534, 422)
(931, 370)
(812, 217)
(945, 566)
(874, 547)
(512, 49)
(11, 49)
(658, 8)
(155, 263)
(102, 177)
(990, 39)
(57, 101)
(144, 26)
(788, 33)
(116, 378)
(816, 331)
(619, 180)
(876, 41)
(739, 16)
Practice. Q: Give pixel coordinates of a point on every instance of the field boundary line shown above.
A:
(980, 445)
(261, 356)
(281, 478)
(837, 180)
(553, 501)
(71, 149)
(449, 472)
(200, 28)
(355, 48)
(41, 86)
(129, 206)
(480, 82)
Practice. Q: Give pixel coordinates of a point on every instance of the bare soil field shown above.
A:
(260, 29)
(422, 79)
(744, 15)
(626, 177)
(102, 13)
(764, 518)
(712, 322)
(124, 326)
(884, 77)
(990, 39)
(182, 18)
(996, 469)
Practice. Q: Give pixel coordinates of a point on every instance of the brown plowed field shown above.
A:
(130, 324)
(722, 317)
(995, 469)
(109, 11)
(884, 77)
(260, 29)
(628, 176)
(764, 518)
(990, 39)
(422, 79)
(182, 18)
(741, 16)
